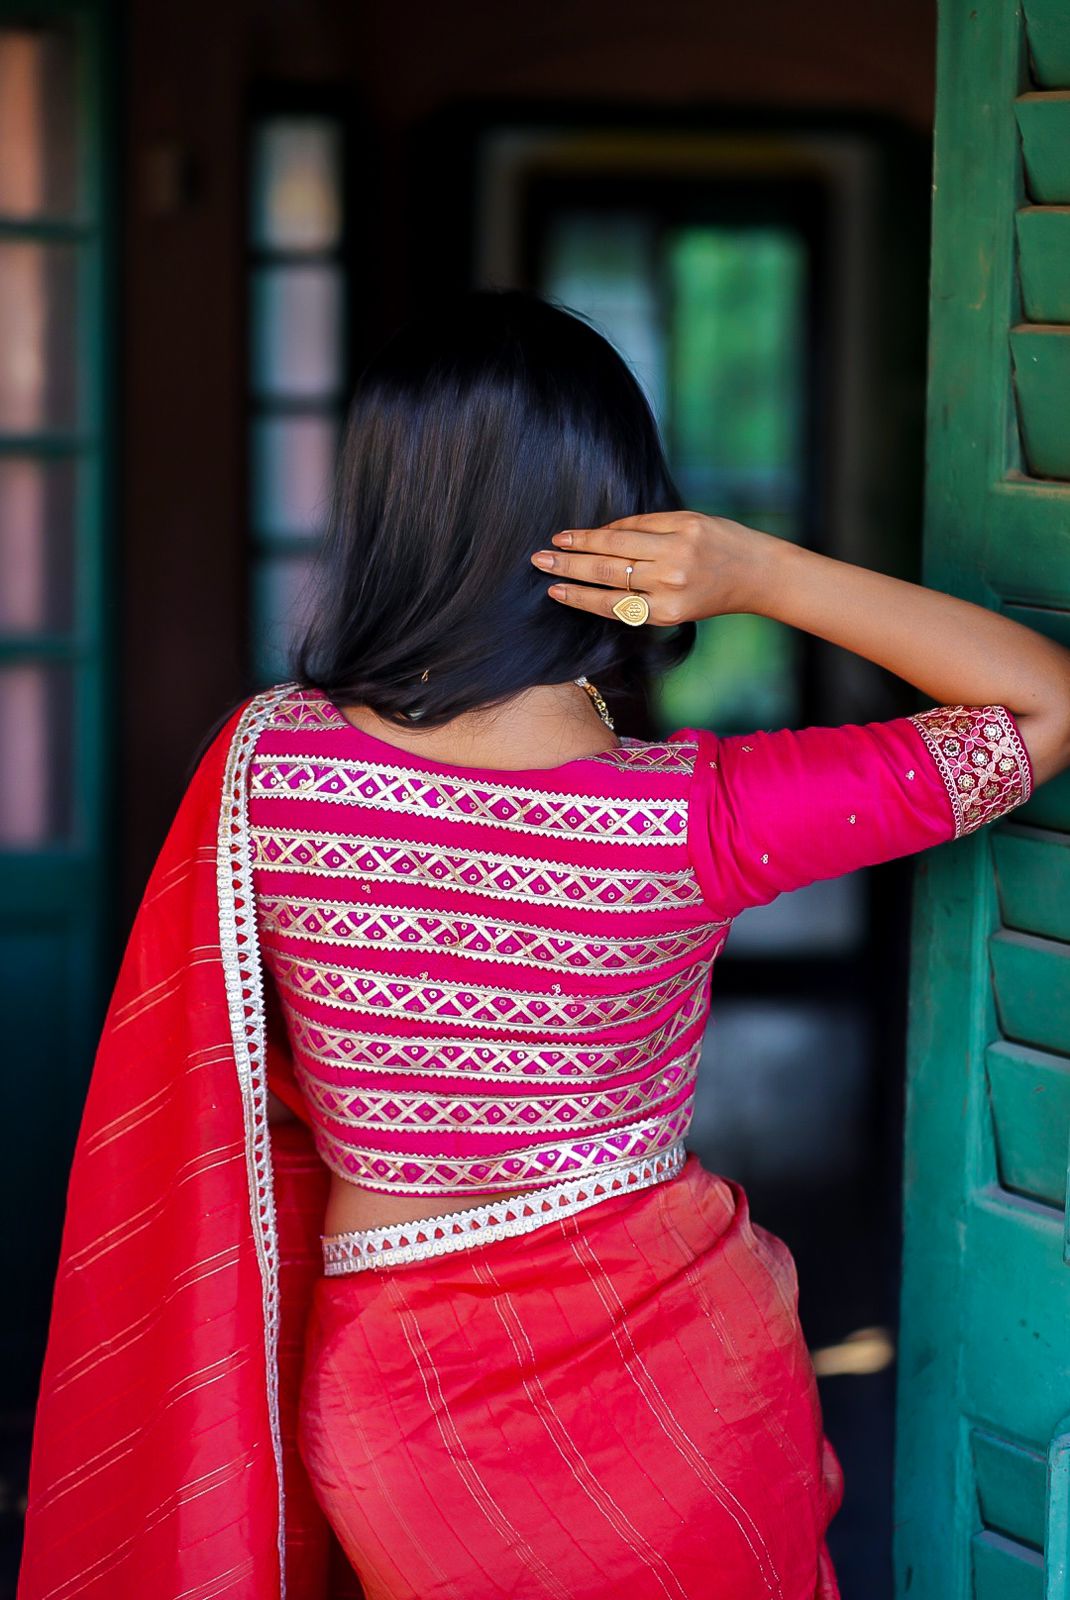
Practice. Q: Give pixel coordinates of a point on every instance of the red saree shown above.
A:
(164, 1431)
(662, 1406)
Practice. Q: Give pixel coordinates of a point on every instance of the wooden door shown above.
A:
(983, 1470)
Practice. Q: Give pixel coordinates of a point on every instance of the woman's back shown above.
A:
(491, 979)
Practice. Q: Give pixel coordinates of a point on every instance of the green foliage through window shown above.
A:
(711, 319)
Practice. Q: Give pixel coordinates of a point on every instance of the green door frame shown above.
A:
(984, 1374)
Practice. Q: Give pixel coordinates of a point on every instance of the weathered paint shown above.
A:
(983, 1506)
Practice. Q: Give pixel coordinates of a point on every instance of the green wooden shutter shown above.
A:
(983, 1472)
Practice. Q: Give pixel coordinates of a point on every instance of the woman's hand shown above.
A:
(691, 566)
(688, 566)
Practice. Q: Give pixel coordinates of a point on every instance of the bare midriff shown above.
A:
(352, 1208)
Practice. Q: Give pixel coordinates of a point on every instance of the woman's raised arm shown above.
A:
(691, 566)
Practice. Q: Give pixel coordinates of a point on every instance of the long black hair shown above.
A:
(489, 421)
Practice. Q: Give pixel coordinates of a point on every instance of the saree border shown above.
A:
(239, 945)
(982, 759)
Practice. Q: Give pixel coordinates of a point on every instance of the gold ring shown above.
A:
(629, 571)
(632, 609)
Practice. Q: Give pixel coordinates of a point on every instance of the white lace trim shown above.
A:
(460, 1230)
(243, 977)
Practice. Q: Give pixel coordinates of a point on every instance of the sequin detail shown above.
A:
(981, 758)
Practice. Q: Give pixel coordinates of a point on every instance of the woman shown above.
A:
(385, 1269)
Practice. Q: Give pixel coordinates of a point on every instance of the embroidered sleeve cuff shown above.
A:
(982, 759)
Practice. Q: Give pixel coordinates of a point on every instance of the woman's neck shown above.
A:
(540, 727)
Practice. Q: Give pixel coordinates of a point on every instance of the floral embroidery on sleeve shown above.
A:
(981, 758)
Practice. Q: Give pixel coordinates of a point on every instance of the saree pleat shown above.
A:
(619, 1403)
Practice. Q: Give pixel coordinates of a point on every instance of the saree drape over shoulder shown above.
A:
(461, 981)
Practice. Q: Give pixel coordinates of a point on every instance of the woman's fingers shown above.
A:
(581, 597)
(610, 570)
(615, 539)
(661, 521)
(654, 545)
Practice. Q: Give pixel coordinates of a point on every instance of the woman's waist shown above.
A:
(353, 1206)
(428, 1229)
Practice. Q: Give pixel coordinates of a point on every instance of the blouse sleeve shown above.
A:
(775, 811)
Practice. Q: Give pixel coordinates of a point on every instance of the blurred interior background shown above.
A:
(209, 215)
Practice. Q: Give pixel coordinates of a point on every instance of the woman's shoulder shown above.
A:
(293, 705)
(291, 709)
(675, 753)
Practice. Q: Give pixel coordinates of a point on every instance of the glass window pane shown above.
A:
(281, 600)
(37, 336)
(604, 266)
(38, 146)
(36, 765)
(297, 332)
(37, 518)
(782, 1091)
(297, 184)
(737, 365)
(292, 470)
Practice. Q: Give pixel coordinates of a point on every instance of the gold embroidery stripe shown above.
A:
(351, 1049)
(392, 927)
(386, 1169)
(502, 806)
(484, 873)
(981, 759)
(356, 989)
(383, 1112)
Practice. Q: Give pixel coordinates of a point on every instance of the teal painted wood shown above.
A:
(1057, 1533)
(1003, 1570)
(1055, 624)
(1015, 1310)
(1043, 251)
(1030, 1095)
(1033, 879)
(1049, 806)
(1011, 1488)
(1032, 986)
(1049, 41)
(1044, 121)
(1042, 380)
(984, 1368)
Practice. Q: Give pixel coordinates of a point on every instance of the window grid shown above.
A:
(53, 483)
(298, 363)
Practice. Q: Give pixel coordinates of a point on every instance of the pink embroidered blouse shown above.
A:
(493, 980)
